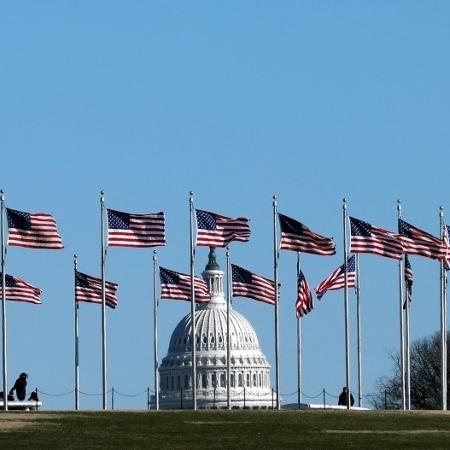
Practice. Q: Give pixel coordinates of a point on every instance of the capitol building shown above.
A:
(249, 369)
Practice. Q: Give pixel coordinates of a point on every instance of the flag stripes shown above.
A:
(89, 289)
(408, 281)
(367, 238)
(177, 286)
(304, 303)
(19, 290)
(297, 237)
(419, 242)
(215, 230)
(248, 284)
(32, 230)
(337, 279)
(135, 230)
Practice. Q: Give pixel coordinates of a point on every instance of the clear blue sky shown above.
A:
(237, 101)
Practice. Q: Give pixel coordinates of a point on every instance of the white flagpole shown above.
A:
(77, 338)
(3, 250)
(443, 321)
(402, 325)
(155, 332)
(275, 269)
(358, 329)
(299, 346)
(103, 261)
(347, 336)
(192, 264)
(228, 331)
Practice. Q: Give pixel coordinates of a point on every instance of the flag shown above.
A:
(135, 230)
(20, 291)
(297, 237)
(419, 242)
(89, 289)
(447, 244)
(408, 281)
(248, 284)
(367, 238)
(177, 286)
(337, 279)
(214, 230)
(32, 230)
(304, 302)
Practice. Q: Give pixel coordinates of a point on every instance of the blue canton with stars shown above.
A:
(404, 228)
(206, 220)
(168, 276)
(241, 275)
(18, 219)
(360, 228)
(118, 220)
(10, 281)
(289, 225)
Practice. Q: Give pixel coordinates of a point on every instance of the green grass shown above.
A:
(226, 430)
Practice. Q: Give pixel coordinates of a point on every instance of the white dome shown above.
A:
(249, 369)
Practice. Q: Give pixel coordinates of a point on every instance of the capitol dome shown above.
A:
(249, 369)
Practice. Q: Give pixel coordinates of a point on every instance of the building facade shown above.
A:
(249, 369)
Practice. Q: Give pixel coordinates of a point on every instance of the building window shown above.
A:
(240, 380)
(232, 379)
(204, 381)
(254, 380)
(248, 380)
(222, 380)
(172, 382)
(260, 380)
(178, 382)
(186, 381)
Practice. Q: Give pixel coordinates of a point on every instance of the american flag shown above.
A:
(32, 230)
(248, 284)
(177, 286)
(337, 279)
(304, 303)
(297, 237)
(135, 230)
(89, 289)
(447, 244)
(408, 281)
(214, 230)
(20, 291)
(367, 238)
(419, 242)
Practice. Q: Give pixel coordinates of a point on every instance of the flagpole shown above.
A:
(299, 346)
(275, 269)
(347, 337)
(358, 330)
(192, 263)
(228, 332)
(103, 262)
(155, 332)
(77, 338)
(3, 250)
(443, 321)
(402, 325)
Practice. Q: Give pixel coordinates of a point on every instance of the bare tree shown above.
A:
(425, 377)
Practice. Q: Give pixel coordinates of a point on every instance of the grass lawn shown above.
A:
(225, 429)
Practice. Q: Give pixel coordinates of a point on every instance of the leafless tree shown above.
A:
(425, 377)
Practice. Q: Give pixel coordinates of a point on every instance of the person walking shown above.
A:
(343, 398)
